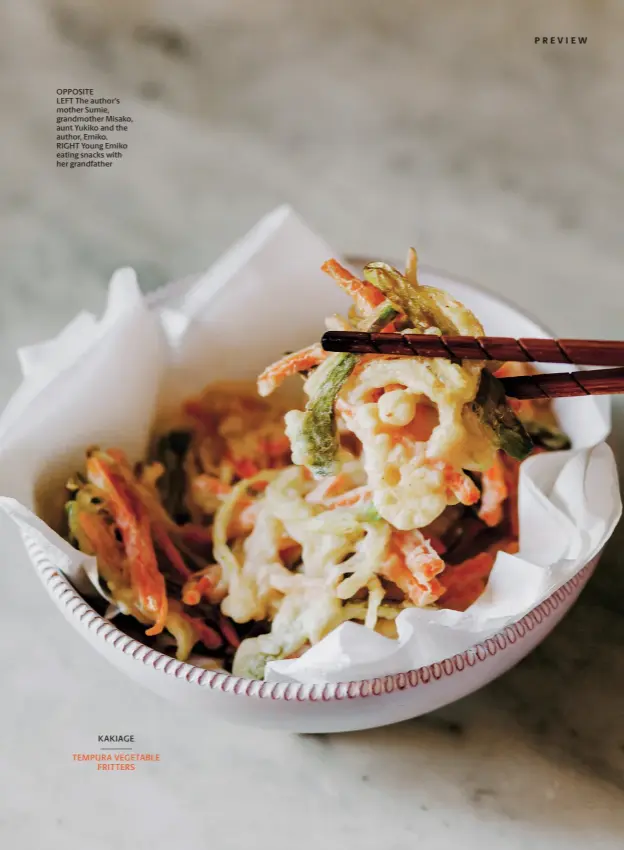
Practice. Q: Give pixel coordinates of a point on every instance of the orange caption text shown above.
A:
(116, 761)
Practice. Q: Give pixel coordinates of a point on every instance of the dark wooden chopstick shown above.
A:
(586, 352)
(566, 384)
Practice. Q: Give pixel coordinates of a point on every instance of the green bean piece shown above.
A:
(550, 437)
(319, 424)
(416, 302)
(506, 430)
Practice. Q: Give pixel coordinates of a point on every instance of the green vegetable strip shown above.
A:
(549, 436)
(506, 430)
(490, 404)
(319, 424)
(416, 302)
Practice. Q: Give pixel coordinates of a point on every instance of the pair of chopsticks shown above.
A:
(584, 352)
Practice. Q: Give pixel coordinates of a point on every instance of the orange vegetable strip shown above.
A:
(365, 295)
(413, 564)
(104, 544)
(292, 364)
(419, 555)
(153, 592)
(395, 570)
(204, 585)
(493, 494)
(459, 484)
(191, 595)
(195, 588)
(133, 523)
(463, 488)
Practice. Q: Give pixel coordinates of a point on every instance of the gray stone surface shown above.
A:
(438, 124)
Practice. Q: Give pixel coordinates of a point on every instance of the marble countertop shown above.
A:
(439, 125)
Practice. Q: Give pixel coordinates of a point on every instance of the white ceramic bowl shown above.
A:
(324, 707)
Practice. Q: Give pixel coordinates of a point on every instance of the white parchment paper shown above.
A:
(104, 381)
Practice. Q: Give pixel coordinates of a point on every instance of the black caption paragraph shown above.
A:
(90, 131)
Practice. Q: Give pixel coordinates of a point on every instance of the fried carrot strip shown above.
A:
(460, 485)
(133, 522)
(106, 548)
(413, 564)
(463, 488)
(365, 295)
(395, 570)
(493, 494)
(195, 588)
(419, 553)
(299, 361)
(206, 584)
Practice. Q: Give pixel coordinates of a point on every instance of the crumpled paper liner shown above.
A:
(105, 382)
